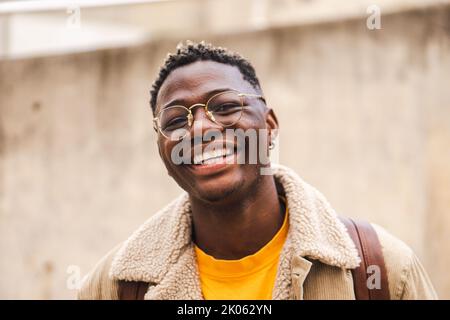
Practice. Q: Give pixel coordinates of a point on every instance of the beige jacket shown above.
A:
(315, 261)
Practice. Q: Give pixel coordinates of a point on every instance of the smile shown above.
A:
(214, 160)
(213, 156)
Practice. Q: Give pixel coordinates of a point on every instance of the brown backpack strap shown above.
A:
(369, 250)
(132, 290)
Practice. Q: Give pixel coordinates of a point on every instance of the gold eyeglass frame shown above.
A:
(190, 116)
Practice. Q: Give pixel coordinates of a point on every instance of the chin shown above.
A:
(215, 191)
(222, 186)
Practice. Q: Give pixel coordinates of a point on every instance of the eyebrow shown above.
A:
(209, 94)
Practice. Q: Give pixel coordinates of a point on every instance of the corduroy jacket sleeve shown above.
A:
(408, 279)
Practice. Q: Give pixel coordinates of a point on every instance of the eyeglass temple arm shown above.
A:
(254, 96)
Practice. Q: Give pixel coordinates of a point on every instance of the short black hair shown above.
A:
(191, 52)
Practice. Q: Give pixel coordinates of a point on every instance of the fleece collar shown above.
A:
(162, 247)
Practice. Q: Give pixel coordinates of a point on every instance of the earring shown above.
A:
(272, 145)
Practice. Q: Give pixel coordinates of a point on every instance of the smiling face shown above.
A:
(196, 83)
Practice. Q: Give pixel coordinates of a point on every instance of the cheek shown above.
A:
(257, 148)
(252, 123)
(164, 149)
(253, 119)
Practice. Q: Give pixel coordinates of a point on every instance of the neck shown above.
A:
(240, 226)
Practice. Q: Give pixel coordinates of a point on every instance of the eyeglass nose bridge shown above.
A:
(190, 116)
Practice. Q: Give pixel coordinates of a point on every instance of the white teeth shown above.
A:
(212, 156)
(211, 161)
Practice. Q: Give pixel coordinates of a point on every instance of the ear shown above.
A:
(271, 122)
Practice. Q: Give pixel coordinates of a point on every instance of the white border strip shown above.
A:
(14, 7)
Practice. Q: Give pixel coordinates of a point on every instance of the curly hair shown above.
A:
(191, 52)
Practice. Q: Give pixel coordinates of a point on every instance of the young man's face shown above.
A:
(196, 83)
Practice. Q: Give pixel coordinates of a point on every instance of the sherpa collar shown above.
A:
(163, 244)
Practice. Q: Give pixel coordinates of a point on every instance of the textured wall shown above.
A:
(365, 117)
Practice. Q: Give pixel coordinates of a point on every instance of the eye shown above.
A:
(225, 108)
(175, 123)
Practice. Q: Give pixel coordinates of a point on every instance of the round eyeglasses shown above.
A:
(224, 108)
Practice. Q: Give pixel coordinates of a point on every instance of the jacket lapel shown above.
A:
(181, 281)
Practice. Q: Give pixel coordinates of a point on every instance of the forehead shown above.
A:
(194, 81)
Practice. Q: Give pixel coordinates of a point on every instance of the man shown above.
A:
(237, 232)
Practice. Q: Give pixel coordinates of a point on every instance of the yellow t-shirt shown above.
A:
(249, 278)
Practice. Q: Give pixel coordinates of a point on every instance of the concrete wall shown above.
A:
(364, 117)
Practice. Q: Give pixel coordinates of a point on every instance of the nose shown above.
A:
(201, 121)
